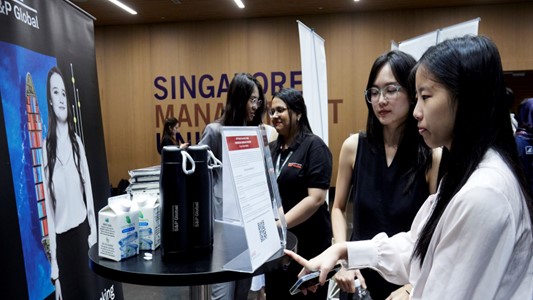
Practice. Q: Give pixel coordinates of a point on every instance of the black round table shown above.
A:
(196, 272)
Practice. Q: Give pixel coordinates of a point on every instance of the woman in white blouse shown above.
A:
(472, 239)
(68, 197)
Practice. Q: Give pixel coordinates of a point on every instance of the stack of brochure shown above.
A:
(144, 179)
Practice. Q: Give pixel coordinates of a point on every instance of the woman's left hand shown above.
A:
(92, 239)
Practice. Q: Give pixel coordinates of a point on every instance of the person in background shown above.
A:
(524, 138)
(509, 96)
(302, 163)
(168, 137)
(389, 170)
(245, 106)
(472, 239)
(68, 198)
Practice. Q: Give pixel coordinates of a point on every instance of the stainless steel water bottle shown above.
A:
(173, 195)
(199, 193)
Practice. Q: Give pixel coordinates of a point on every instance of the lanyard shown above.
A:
(278, 168)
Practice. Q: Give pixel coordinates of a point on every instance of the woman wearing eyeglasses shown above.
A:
(302, 162)
(245, 106)
(388, 169)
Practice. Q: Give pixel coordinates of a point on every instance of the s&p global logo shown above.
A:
(20, 11)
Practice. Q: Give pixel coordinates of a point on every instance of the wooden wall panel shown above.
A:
(129, 58)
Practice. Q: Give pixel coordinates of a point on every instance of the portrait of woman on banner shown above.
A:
(68, 197)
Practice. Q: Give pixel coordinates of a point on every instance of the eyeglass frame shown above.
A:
(278, 110)
(380, 92)
(255, 101)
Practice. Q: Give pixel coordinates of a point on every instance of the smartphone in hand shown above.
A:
(310, 280)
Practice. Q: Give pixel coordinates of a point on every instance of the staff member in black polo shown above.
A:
(303, 168)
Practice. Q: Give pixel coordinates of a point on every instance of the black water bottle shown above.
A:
(199, 193)
(173, 195)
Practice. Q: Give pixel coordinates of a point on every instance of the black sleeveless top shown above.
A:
(380, 202)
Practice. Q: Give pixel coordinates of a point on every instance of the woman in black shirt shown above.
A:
(169, 134)
(303, 167)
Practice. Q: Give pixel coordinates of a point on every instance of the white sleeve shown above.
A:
(91, 216)
(390, 256)
(476, 237)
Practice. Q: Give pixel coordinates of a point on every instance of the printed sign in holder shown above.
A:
(252, 211)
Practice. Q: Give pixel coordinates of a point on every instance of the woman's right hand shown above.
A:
(57, 284)
(324, 262)
(345, 280)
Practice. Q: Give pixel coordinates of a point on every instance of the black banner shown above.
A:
(53, 172)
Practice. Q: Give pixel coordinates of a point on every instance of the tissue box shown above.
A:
(118, 235)
(149, 220)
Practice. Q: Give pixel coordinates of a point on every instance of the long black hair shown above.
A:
(470, 69)
(413, 154)
(51, 138)
(240, 90)
(295, 103)
(170, 123)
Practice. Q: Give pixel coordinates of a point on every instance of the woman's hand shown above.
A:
(57, 284)
(324, 262)
(92, 239)
(346, 280)
(402, 293)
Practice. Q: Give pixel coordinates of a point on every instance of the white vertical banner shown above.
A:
(314, 80)
(418, 45)
(461, 29)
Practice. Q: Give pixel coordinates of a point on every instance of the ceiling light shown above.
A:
(123, 6)
(239, 3)
(356, 0)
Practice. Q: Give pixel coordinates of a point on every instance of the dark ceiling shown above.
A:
(159, 11)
